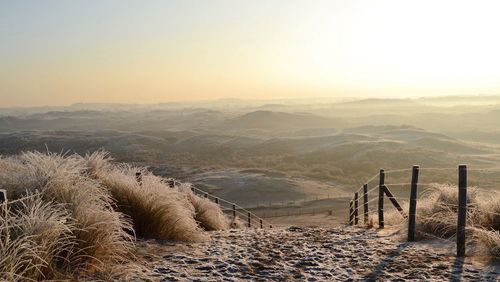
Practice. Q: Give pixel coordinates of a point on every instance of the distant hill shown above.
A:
(378, 103)
(461, 100)
(280, 121)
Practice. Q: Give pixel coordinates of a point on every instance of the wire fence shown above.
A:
(233, 210)
(404, 195)
(229, 208)
(297, 212)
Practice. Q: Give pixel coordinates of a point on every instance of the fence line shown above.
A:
(397, 170)
(368, 182)
(305, 211)
(235, 209)
(384, 191)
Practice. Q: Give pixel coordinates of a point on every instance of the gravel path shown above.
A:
(309, 254)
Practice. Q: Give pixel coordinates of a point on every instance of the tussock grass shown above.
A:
(437, 210)
(35, 240)
(237, 223)
(84, 214)
(156, 210)
(491, 242)
(207, 213)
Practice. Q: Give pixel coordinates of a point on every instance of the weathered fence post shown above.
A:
(138, 178)
(365, 202)
(381, 199)
(3, 196)
(351, 208)
(216, 200)
(462, 209)
(234, 210)
(261, 224)
(249, 220)
(412, 212)
(356, 219)
(394, 201)
(3, 202)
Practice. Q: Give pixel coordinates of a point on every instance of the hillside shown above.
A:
(357, 151)
(280, 121)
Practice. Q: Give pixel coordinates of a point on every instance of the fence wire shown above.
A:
(369, 181)
(239, 210)
(430, 187)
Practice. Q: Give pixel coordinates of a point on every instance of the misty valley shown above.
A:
(265, 153)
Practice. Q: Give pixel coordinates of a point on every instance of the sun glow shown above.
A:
(132, 52)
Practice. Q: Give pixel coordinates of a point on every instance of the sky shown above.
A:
(123, 51)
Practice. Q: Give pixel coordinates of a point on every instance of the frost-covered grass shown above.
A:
(437, 215)
(85, 212)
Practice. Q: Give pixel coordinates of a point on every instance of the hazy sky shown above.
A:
(61, 52)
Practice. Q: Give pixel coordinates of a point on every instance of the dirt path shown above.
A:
(309, 254)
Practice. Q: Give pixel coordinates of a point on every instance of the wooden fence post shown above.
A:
(356, 219)
(412, 212)
(3, 196)
(365, 202)
(216, 200)
(462, 209)
(394, 201)
(261, 224)
(351, 211)
(381, 199)
(234, 210)
(3, 203)
(249, 220)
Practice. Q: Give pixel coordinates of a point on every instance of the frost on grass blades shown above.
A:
(437, 215)
(74, 215)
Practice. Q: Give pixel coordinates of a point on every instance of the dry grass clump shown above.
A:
(84, 212)
(491, 242)
(489, 209)
(237, 223)
(156, 210)
(35, 240)
(102, 233)
(173, 213)
(207, 214)
(438, 207)
(437, 210)
(99, 235)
